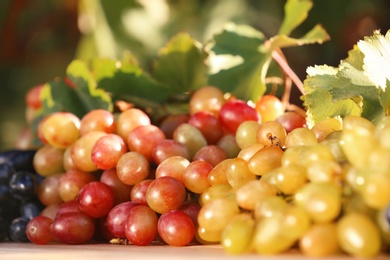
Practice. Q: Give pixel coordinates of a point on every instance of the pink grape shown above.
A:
(141, 225)
(176, 228)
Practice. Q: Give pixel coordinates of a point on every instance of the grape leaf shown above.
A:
(180, 64)
(243, 63)
(359, 79)
(295, 12)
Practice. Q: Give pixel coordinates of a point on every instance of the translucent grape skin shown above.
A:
(207, 98)
(107, 150)
(98, 120)
(165, 193)
(174, 167)
(47, 190)
(176, 228)
(71, 183)
(270, 107)
(130, 119)
(96, 199)
(167, 148)
(121, 190)
(73, 228)
(212, 154)
(208, 124)
(191, 137)
(196, 176)
(141, 225)
(132, 167)
(48, 160)
(38, 230)
(138, 192)
(291, 120)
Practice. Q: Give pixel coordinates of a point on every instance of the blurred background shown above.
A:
(39, 38)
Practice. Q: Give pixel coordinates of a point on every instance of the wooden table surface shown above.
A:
(29, 251)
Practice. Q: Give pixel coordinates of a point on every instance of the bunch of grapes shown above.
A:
(251, 177)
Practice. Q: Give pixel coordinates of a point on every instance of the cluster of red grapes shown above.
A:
(118, 176)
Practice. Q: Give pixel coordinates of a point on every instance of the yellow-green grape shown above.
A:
(292, 155)
(352, 122)
(190, 136)
(237, 235)
(354, 203)
(229, 145)
(376, 190)
(270, 177)
(322, 129)
(246, 133)
(379, 160)
(384, 226)
(48, 160)
(301, 136)
(215, 214)
(253, 192)
(205, 236)
(272, 206)
(321, 200)
(323, 171)
(265, 160)
(382, 131)
(315, 153)
(320, 240)
(218, 174)
(247, 152)
(358, 235)
(271, 133)
(238, 173)
(332, 141)
(295, 222)
(354, 178)
(290, 178)
(270, 238)
(216, 192)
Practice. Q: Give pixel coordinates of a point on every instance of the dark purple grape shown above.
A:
(6, 172)
(19, 159)
(17, 230)
(5, 194)
(4, 228)
(23, 185)
(30, 209)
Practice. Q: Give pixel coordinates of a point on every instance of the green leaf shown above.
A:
(316, 35)
(181, 64)
(237, 64)
(295, 12)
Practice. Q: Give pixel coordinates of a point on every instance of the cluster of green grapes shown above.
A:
(251, 177)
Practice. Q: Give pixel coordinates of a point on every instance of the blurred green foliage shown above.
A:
(40, 38)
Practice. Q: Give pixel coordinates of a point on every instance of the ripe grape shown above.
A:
(167, 148)
(132, 167)
(253, 192)
(191, 137)
(229, 144)
(208, 99)
(270, 107)
(116, 218)
(300, 136)
(47, 190)
(130, 119)
(271, 133)
(212, 154)
(235, 112)
(169, 124)
(121, 190)
(238, 173)
(32, 97)
(176, 228)
(100, 120)
(48, 160)
(73, 228)
(208, 124)
(23, 185)
(138, 192)
(141, 225)
(96, 199)
(17, 230)
(107, 150)
(246, 133)
(196, 176)
(291, 120)
(71, 183)
(265, 160)
(38, 230)
(165, 193)
(174, 167)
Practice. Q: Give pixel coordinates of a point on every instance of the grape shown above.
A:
(358, 235)
(195, 176)
(50, 211)
(205, 236)
(192, 210)
(61, 129)
(207, 99)
(68, 206)
(212, 154)
(121, 190)
(130, 119)
(253, 192)
(48, 160)
(218, 174)
(73, 228)
(234, 112)
(30, 209)
(265, 160)
(238, 173)
(325, 127)
(70, 183)
(116, 218)
(68, 163)
(96, 199)
(326, 171)
(23, 185)
(143, 138)
(237, 235)
(270, 107)
(270, 206)
(301, 136)
(17, 230)
(167, 148)
(132, 167)
(38, 230)
(216, 213)
(165, 193)
(98, 120)
(208, 124)
(107, 150)
(81, 151)
(141, 225)
(138, 192)
(191, 137)
(174, 167)
(247, 152)
(229, 144)
(246, 133)
(217, 191)
(375, 191)
(291, 120)
(47, 190)
(271, 133)
(290, 178)
(320, 241)
(176, 228)
(32, 97)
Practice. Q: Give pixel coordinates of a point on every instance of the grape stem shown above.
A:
(278, 56)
